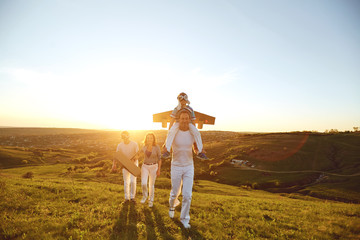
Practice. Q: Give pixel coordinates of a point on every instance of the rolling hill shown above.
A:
(309, 163)
(56, 185)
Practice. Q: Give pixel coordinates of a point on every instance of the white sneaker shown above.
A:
(151, 204)
(171, 212)
(143, 200)
(186, 225)
(177, 202)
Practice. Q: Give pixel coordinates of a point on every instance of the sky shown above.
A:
(257, 66)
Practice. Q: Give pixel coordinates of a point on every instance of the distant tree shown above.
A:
(333, 131)
(212, 173)
(28, 175)
(356, 129)
(38, 153)
(334, 154)
(2, 185)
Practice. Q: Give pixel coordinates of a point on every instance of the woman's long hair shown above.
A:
(153, 134)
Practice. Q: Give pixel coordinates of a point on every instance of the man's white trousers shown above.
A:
(148, 172)
(129, 183)
(193, 130)
(182, 176)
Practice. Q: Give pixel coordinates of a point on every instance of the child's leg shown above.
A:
(171, 135)
(197, 136)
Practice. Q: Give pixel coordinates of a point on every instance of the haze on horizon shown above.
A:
(257, 66)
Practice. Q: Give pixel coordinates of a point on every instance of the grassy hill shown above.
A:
(308, 163)
(311, 180)
(322, 165)
(58, 203)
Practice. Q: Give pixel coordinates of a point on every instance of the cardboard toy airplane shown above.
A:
(164, 118)
(127, 164)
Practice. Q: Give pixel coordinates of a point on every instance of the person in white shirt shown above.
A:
(183, 102)
(129, 149)
(182, 169)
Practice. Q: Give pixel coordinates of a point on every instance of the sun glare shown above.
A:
(111, 95)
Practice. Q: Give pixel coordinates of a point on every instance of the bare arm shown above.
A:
(113, 169)
(159, 162)
(159, 168)
(114, 165)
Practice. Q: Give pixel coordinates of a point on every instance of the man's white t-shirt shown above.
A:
(129, 150)
(182, 149)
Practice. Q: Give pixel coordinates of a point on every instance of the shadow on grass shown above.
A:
(191, 233)
(154, 221)
(126, 225)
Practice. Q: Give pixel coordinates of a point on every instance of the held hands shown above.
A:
(136, 156)
(113, 169)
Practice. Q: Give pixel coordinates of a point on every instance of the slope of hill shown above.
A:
(317, 164)
(60, 203)
(312, 158)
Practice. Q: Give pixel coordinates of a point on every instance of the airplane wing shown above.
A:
(201, 118)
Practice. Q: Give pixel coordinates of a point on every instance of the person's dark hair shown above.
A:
(184, 110)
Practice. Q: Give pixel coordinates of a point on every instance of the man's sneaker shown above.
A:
(165, 155)
(126, 201)
(186, 225)
(202, 156)
(171, 212)
(133, 200)
(143, 200)
(177, 202)
(151, 204)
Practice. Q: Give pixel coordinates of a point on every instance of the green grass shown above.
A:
(58, 204)
(272, 151)
(73, 196)
(21, 156)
